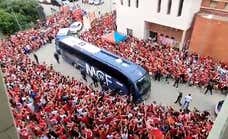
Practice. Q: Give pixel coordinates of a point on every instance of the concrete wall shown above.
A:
(134, 18)
(7, 126)
(220, 127)
(209, 37)
(129, 17)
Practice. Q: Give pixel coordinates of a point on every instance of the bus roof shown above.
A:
(130, 69)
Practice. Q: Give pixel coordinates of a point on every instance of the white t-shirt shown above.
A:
(124, 135)
(109, 136)
(188, 98)
(31, 106)
(44, 137)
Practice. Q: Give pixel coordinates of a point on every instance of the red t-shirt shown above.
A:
(156, 134)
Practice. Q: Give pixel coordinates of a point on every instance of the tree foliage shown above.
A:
(17, 14)
(7, 23)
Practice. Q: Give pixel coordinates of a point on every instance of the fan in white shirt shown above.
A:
(186, 102)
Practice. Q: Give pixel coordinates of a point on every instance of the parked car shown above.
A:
(65, 2)
(75, 27)
(61, 2)
(98, 2)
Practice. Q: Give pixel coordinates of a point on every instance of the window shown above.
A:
(121, 2)
(159, 6)
(169, 6)
(129, 32)
(226, 7)
(137, 3)
(153, 35)
(129, 3)
(213, 4)
(181, 2)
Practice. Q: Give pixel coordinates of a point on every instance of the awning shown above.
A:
(114, 37)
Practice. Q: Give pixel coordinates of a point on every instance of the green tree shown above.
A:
(24, 13)
(7, 23)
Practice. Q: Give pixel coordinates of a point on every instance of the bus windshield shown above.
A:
(144, 84)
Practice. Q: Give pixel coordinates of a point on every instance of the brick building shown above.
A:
(210, 30)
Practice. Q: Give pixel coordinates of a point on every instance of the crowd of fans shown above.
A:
(45, 104)
(161, 60)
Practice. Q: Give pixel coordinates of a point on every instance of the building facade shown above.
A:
(167, 21)
(210, 30)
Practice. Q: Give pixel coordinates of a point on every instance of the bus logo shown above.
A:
(90, 70)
